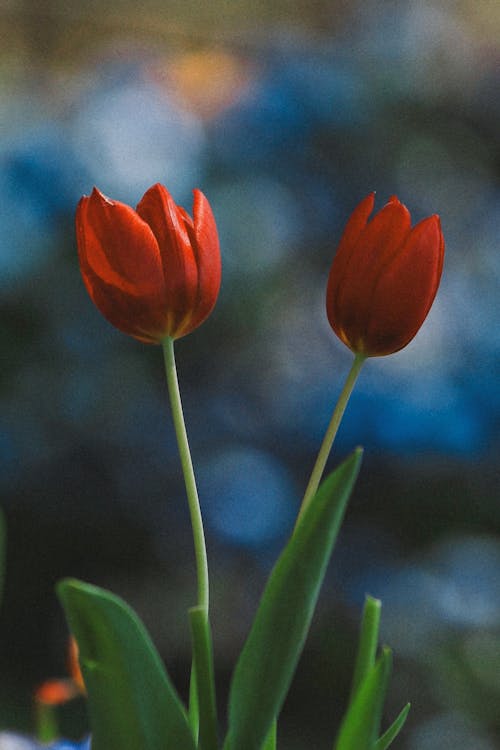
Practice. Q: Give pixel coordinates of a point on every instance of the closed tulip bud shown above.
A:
(384, 278)
(154, 272)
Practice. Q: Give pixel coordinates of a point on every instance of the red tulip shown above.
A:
(384, 278)
(154, 272)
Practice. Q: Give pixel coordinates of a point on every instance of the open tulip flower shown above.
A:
(153, 272)
(384, 278)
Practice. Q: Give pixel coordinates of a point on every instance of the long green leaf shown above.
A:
(390, 734)
(272, 738)
(266, 665)
(132, 703)
(194, 709)
(368, 640)
(361, 724)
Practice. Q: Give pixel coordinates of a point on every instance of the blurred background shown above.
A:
(286, 114)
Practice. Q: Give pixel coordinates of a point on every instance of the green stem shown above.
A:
(47, 727)
(187, 469)
(327, 443)
(204, 677)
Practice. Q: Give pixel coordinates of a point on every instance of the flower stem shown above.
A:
(187, 469)
(327, 443)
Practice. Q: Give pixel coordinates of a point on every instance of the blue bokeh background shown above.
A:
(286, 117)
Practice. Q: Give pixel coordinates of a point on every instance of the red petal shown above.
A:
(205, 241)
(145, 318)
(121, 267)
(354, 227)
(166, 220)
(376, 245)
(118, 245)
(382, 237)
(406, 289)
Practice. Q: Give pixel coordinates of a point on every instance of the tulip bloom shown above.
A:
(384, 278)
(153, 272)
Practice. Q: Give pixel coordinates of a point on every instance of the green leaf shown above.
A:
(368, 640)
(361, 724)
(132, 703)
(393, 731)
(205, 685)
(271, 739)
(194, 711)
(266, 665)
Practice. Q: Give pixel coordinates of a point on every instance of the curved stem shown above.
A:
(327, 443)
(187, 469)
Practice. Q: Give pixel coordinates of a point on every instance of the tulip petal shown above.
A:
(406, 289)
(141, 317)
(180, 272)
(118, 245)
(376, 244)
(381, 237)
(120, 266)
(354, 227)
(205, 242)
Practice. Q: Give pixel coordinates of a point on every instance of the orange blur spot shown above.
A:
(209, 81)
(56, 692)
(74, 665)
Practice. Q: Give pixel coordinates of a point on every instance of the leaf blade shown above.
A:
(268, 660)
(132, 702)
(390, 734)
(360, 726)
(272, 738)
(368, 640)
